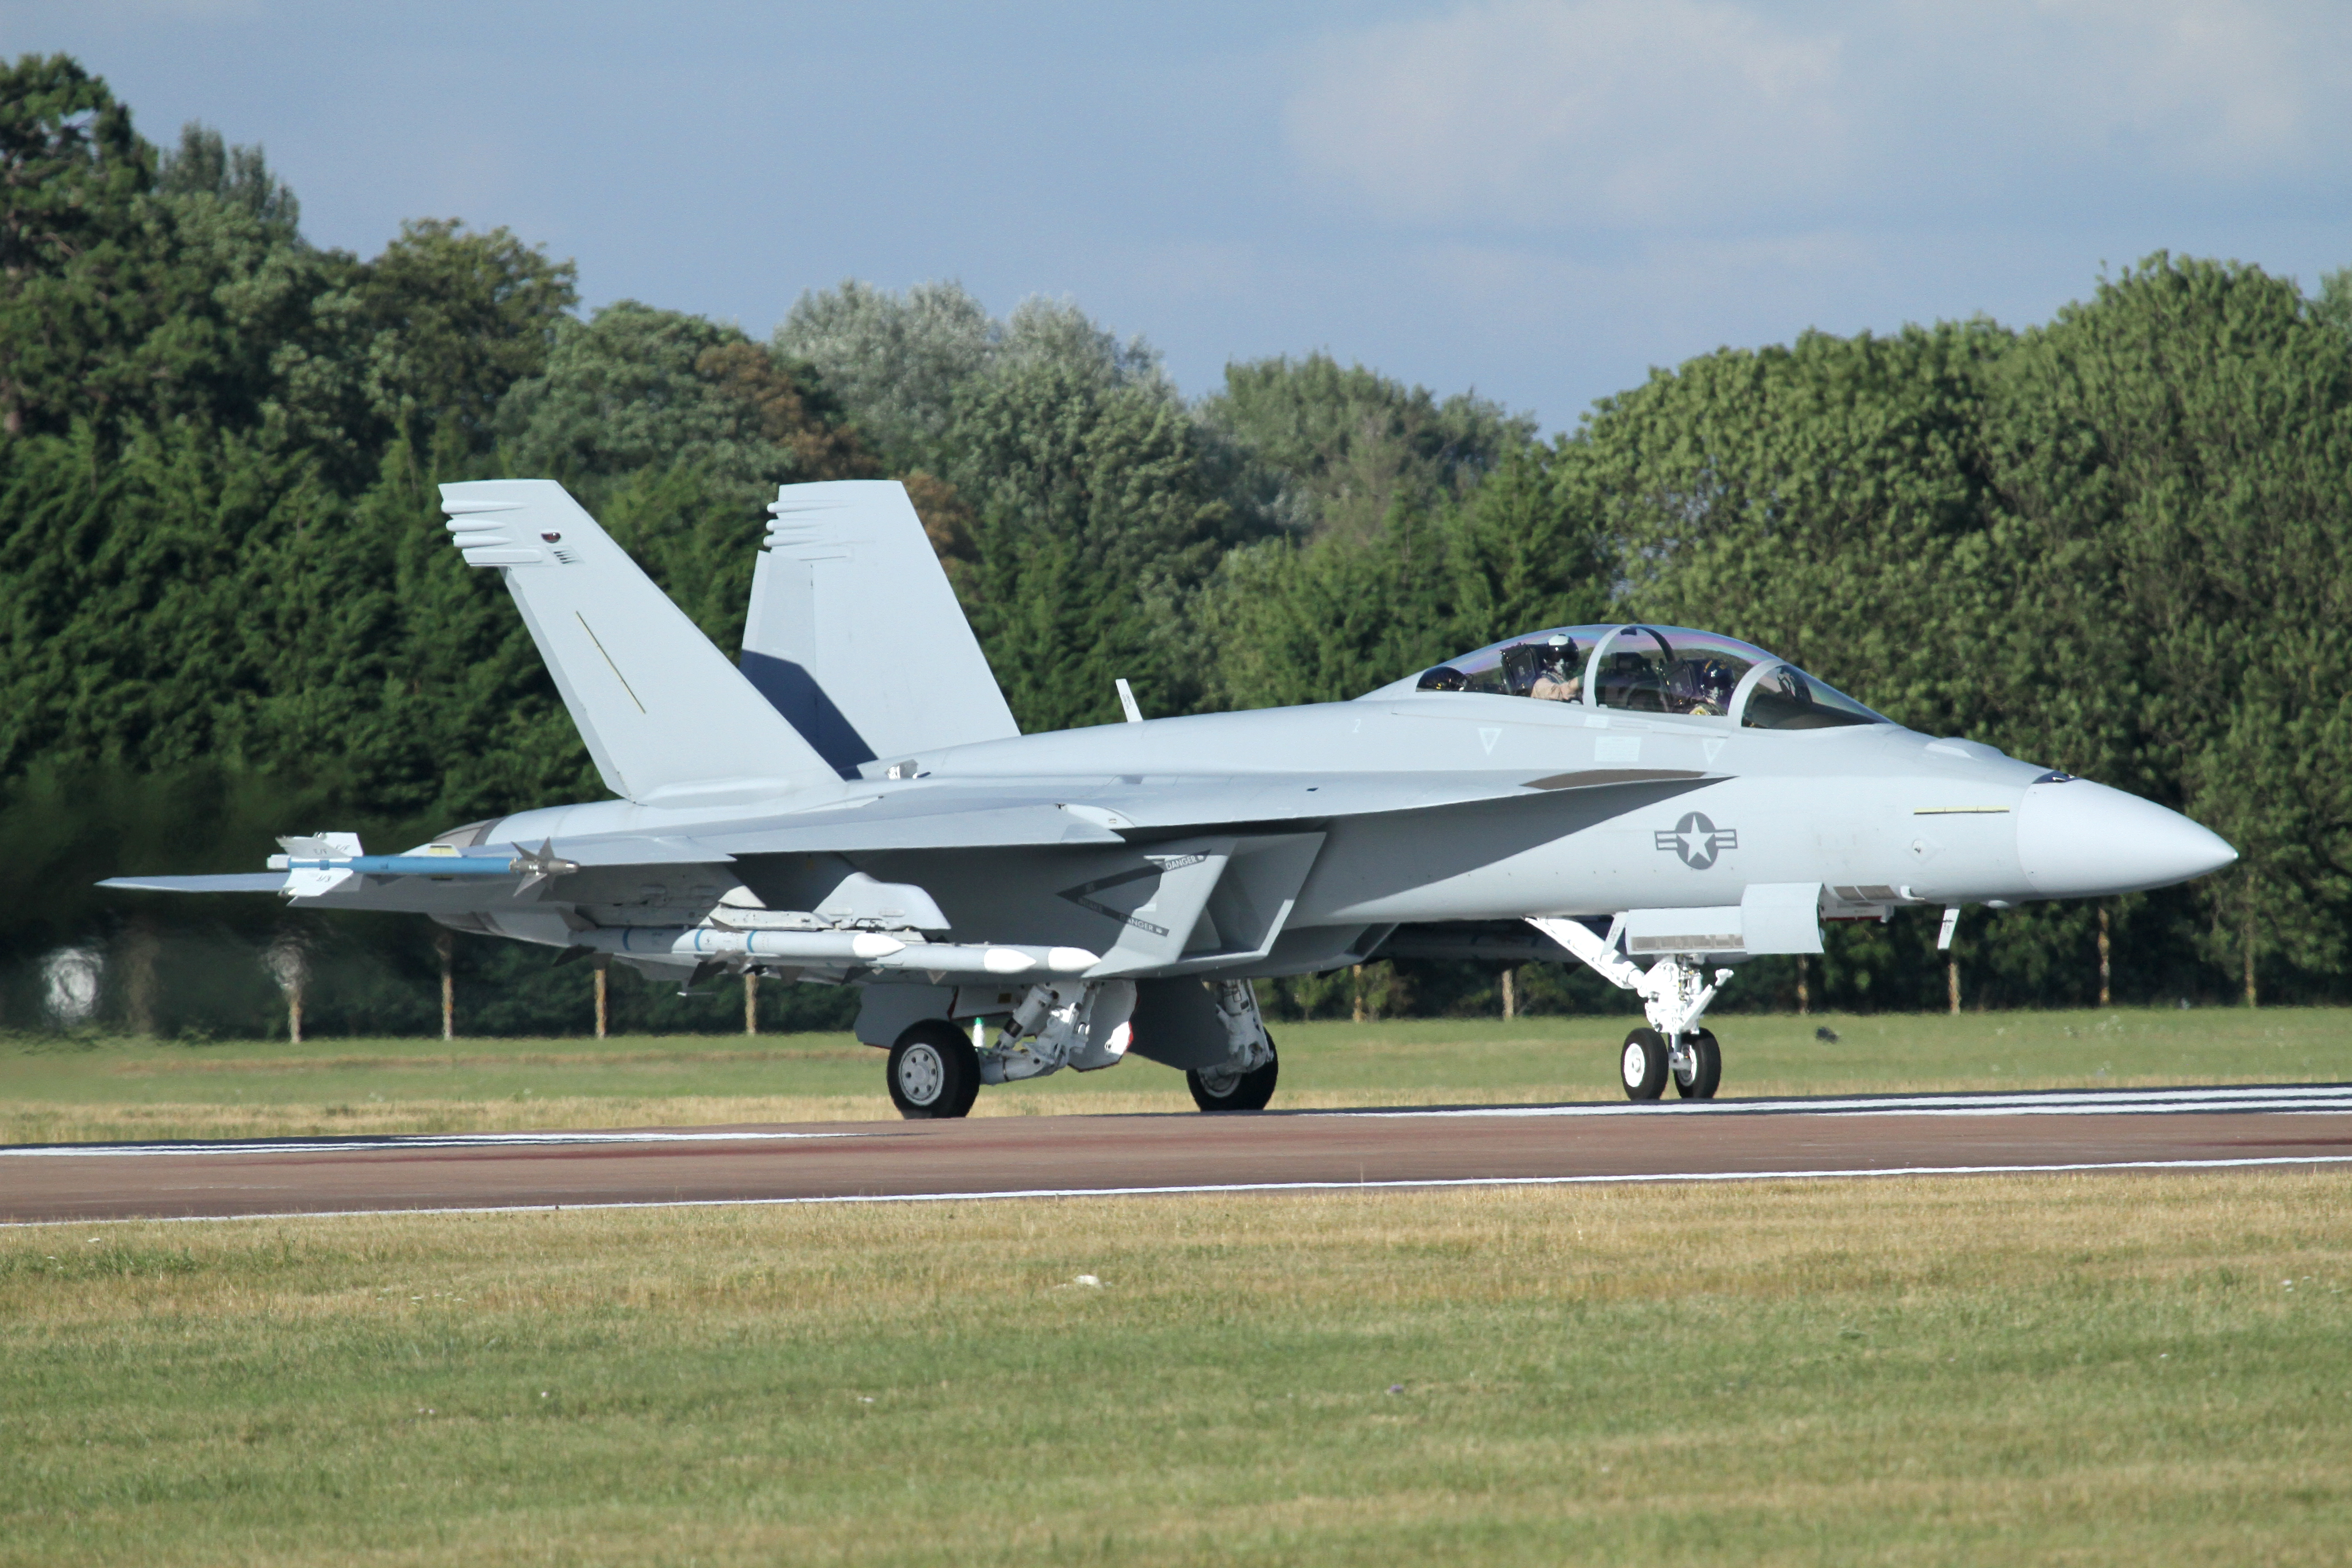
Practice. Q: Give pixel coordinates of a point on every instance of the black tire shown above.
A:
(1707, 1066)
(1249, 1091)
(1642, 1067)
(934, 1073)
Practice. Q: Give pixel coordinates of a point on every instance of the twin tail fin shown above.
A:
(666, 718)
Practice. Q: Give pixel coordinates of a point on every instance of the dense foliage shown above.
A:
(2114, 543)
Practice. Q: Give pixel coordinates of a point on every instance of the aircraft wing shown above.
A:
(225, 882)
(977, 814)
(988, 815)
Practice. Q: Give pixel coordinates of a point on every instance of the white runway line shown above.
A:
(410, 1141)
(2055, 1102)
(2266, 1097)
(1652, 1179)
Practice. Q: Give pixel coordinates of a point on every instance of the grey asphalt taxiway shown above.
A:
(2235, 1127)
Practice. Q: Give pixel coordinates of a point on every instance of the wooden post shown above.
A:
(750, 1002)
(1357, 972)
(447, 945)
(290, 964)
(603, 973)
(1952, 983)
(2248, 941)
(2106, 990)
(139, 991)
(1804, 989)
(1510, 996)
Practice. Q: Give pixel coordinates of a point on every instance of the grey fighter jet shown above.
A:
(853, 805)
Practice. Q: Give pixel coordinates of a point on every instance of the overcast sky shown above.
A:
(1537, 198)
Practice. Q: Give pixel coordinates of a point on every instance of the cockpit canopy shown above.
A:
(1653, 669)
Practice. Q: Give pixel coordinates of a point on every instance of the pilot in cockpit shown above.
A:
(1702, 686)
(1548, 670)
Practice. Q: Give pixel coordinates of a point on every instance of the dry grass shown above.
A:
(2086, 1370)
(54, 1091)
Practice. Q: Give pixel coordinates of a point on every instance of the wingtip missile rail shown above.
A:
(405, 865)
(322, 863)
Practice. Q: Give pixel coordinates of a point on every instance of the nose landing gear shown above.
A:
(1695, 1065)
(1674, 995)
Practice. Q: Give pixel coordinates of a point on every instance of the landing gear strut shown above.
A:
(1674, 995)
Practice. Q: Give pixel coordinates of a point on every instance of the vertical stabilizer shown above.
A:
(855, 633)
(665, 716)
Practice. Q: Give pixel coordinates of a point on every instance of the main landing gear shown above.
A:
(936, 1070)
(1674, 995)
(1244, 1079)
(933, 1071)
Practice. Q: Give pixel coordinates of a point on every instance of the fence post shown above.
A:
(2105, 990)
(288, 961)
(603, 968)
(447, 945)
(138, 974)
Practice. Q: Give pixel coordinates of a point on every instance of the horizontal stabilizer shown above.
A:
(854, 632)
(663, 714)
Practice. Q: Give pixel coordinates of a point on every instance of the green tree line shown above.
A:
(2113, 543)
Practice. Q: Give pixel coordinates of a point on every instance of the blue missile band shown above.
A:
(413, 864)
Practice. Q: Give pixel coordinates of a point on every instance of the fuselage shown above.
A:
(1574, 810)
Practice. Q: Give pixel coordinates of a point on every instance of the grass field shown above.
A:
(2112, 1369)
(63, 1088)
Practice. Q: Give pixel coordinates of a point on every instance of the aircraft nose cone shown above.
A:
(2079, 839)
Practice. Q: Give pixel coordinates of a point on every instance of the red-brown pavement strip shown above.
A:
(1075, 1154)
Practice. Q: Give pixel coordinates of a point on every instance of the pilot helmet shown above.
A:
(1703, 685)
(1524, 664)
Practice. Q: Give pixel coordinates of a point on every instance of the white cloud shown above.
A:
(1613, 111)
(1614, 114)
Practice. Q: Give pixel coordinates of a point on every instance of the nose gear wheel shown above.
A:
(1699, 1067)
(1644, 1068)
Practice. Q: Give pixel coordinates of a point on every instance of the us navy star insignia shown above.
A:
(1697, 840)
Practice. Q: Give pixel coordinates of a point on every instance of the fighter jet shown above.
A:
(853, 804)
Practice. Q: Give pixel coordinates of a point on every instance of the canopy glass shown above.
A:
(1653, 669)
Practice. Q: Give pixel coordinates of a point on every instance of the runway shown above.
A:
(2237, 1127)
